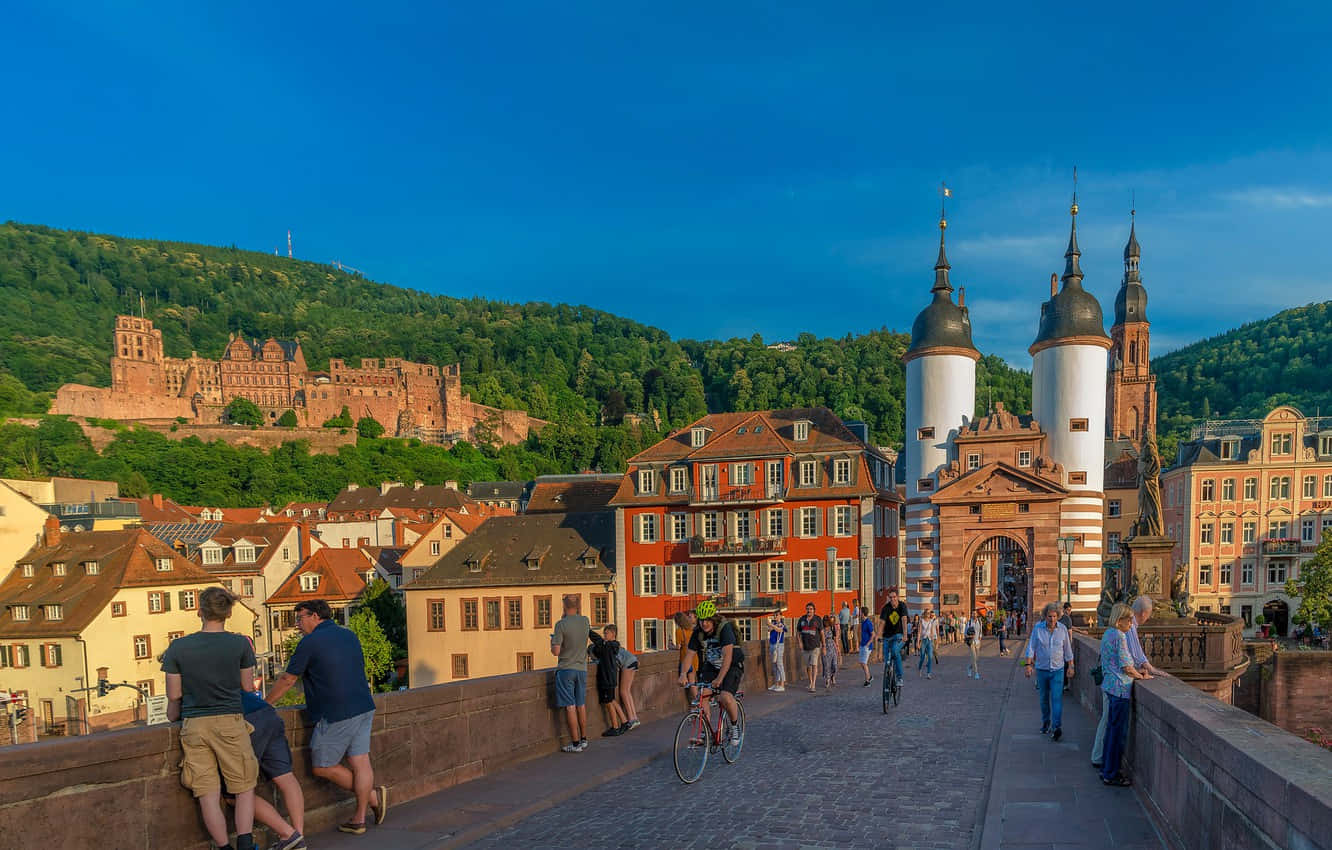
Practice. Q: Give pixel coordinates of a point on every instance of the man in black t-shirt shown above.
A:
(715, 650)
(892, 622)
(810, 629)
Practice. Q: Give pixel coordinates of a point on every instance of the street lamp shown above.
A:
(1066, 546)
(866, 586)
(831, 552)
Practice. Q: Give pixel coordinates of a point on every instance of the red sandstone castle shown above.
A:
(409, 399)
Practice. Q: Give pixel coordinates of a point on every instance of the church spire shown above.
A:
(1072, 271)
(1132, 251)
(941, 267)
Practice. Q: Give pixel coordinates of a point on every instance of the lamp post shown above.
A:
(866, 587)
(1066, 546)
(831, 552)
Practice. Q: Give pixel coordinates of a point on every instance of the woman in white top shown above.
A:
(929, 633)
(972, 633)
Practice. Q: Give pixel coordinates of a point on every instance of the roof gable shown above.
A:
(1001, 480)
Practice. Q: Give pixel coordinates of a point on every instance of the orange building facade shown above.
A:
(761, 512)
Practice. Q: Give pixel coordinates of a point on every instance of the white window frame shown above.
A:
(801, 432)
(842, 471)
(679, 579)
(647, 481)
(1251, 488)
(973, 461)
(649, 635)
(245, 554)
(1249, 531)
(212, 555)
(1246, 573)
(1024, 458)
(742, 474)
(1205, 533)
(20, 613)
(1226, 574)
(647, 528)
(309, 582)
(434, 547)
(743, 580)
(712, 578)
(776, 523)
(155, 604)
(1228, 490)
(776, 576)
(1308, 530)
(844, 521)
(163, 565)
(844, 571)
(1277, 572)
(1112, 542)
(1309, 488)
(1205, 574)
(711, 525)
(1208, 490)
(808, 473)
(54, 612)
(679, 525)
(679, 479)
(744, 525)
(809, 522)
(647, 580)
(809, 575)
(1227, 533)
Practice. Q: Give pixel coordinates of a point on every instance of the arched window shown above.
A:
(1133, 352)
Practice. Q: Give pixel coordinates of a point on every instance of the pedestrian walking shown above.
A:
(866, 643)
(1142, 612)
(831, 652)
(777, 650)
(844, 627)
(205, 674)
(972, 634)
(568, 643)
(1001, 632)
(330, 666)
(906, 636)
(929, 633)
(1066, 618)
(810, 629)
(1050, 653)
(1118, 672)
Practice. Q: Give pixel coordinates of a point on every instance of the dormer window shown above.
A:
(533, 563)
(801, 431)
(1229, 449)
(54, 612)
(1325, 444)
(679, 479)
(309, 582)
(20, 612)
(474, 564)
(245, 554)
(697, 437)
(647, 481)
(58, 568)
(163, 564)
(92, 568)
(842, 471)
(1281, 443)
(212, 554)
(26, 569)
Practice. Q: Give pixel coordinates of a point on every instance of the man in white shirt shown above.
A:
(1050, 652)
(971, 633)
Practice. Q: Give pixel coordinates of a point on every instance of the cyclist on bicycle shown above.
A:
(715, 650)
(892, 626)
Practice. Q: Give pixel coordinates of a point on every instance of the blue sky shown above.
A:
(713, 169)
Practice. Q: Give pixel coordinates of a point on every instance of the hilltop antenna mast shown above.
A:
(288, 243)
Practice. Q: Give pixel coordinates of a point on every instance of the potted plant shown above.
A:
(1261, 623)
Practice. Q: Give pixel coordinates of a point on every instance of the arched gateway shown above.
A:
(1001, 575)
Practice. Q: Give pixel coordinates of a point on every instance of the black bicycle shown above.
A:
(892, 686)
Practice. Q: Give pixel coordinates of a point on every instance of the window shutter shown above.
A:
(638, 581)
(638, 635)
(166, 600)
(689, 526)
(59, 656)
(786, 575)
(818, 522)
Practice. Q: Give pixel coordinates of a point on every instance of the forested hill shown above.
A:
(60, 291)
(1246, 372)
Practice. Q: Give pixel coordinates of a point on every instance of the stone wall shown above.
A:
(1213, 775)
(1292, 690)
(75, 792)
(322, 440)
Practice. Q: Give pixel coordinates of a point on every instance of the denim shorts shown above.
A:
(570, 688)
(350, 737)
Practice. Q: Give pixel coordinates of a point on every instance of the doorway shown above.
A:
(1277, 614)
(1000, 575)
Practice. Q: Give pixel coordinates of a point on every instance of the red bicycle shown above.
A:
(699, 734)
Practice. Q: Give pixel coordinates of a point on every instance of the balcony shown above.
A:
(1280, 546)
(728, 603)
(754, 546)
(737, 494)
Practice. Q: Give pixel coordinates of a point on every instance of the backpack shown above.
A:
(970, 633)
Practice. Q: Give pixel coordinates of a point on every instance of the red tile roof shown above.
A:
(572, 493)
(341, 577)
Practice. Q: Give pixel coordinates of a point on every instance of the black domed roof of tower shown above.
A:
(943, 323)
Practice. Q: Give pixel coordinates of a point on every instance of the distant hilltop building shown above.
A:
(409, 399)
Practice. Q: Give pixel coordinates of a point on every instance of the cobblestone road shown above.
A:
(833, 771)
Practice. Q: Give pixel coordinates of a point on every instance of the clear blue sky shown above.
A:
(715, 169)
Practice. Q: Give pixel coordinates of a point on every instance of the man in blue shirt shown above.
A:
(1050, 650)
(331, 668)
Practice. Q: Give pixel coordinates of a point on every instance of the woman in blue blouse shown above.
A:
(1118, 674)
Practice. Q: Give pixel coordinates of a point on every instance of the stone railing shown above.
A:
(122, 788)
(1205, 650)
(1212, 775)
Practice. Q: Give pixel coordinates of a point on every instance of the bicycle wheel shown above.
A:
(731, 753)
(889, 679)
(692, 742)
(897, 690)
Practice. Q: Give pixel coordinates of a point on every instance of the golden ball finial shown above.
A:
(943, 224)
(1073, 210)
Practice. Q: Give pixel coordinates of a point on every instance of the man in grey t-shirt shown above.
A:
(569, 644)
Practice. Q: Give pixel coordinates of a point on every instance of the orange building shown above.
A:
(760, 511)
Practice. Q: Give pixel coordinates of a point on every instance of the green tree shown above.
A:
(342, 420)
(242, 411)
(288, 419)
(135, 486)
(379, 599)
(1314, 586)
(369, 427)
(375, 646)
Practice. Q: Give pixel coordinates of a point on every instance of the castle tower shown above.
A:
(1068, 392)
(1130, 404)
(136, 357)
(940, 400)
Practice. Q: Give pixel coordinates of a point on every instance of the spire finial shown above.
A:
(1073, 210)
(941, 266)
(1072, 271)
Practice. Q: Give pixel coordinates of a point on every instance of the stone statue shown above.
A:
(1149, 490)
(1180, 598)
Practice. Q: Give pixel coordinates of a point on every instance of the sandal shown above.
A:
(353, 828)
(1120, 781)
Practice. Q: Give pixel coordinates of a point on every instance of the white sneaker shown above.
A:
(735, 736)
(779, 688)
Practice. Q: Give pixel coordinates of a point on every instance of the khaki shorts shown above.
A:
(220, 742)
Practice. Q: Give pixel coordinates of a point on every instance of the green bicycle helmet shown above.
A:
(707, 608)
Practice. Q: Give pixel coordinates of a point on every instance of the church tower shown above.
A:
(940, 401)
(1130, 403)
(1068, 391)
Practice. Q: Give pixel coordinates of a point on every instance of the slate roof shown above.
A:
(267, 538)
(503, 549)
(125, 558)
(572, 493)
(505, 490)
(942, 323)
(401, 496)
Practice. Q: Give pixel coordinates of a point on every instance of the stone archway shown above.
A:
(1000, 572)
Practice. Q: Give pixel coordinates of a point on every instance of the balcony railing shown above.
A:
(737, 494)
(700, 548)
(728, 603)
(1281, 546)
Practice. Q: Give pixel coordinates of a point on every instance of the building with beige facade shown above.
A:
(100, 604)
(337, 576)
(488, 606)
(1248, 501)
(436, 540)
(21, 523)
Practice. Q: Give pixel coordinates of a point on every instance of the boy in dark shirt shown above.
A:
(205, 673)
(604, 652)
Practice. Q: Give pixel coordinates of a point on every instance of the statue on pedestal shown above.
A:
(1149, 490)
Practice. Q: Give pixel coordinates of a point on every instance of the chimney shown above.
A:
(385, 486)
(51, 531)
(1054, 284)
(417, 485)
(450, 485)
(157, 500)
